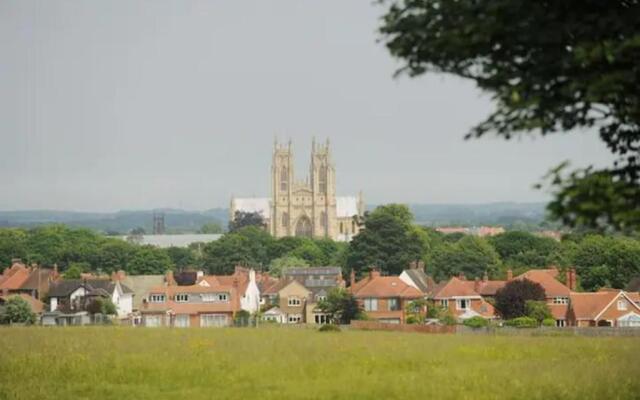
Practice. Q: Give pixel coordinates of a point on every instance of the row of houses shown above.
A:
(191, 298)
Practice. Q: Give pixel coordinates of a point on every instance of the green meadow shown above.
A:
(290, 363)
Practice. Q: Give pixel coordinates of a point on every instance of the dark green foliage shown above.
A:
(604, 261)
(471, 255)
(476, 322)
(512, 298)
(148, 260)
(101, 305)
(388, 241)
(243, 219)
(341, 306)
(522, 322)
(17, 310)
(182, 257)
(329, 328)
(537, 310)
(524, 249)
(551, 67)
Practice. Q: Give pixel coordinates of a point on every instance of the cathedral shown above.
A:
(309, 207)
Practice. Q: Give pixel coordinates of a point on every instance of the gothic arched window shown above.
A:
(285, 219)
(323, 179)
(284, 179)
(324, 222)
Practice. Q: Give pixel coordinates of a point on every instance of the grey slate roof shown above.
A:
(65, 287)
(423, 281)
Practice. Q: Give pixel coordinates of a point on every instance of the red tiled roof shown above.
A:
(489, 288)
(456, 287)
(15, 277)
(589, 305)
(558, 311)
(547, 279)
(385, 286)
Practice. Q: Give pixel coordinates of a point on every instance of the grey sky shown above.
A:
(128, 104)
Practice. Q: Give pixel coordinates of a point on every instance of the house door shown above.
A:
(303, 227)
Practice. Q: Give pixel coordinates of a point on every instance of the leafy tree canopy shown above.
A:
(341, 306)
(17, 310)
(551, 66)
(511, 300)
(243, 219)
(471, 255)
(279, 265)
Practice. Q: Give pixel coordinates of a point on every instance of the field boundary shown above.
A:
(380, 326)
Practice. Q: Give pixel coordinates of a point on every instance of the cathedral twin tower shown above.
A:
(306, 208)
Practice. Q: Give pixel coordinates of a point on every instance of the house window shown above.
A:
(371, 304)
(223, 297)
(181, 321)
(561, 323)
(156, 298)
(295, 318)
(182, 298)
(321, 298)
(622, 305)
(294, 301)
(444, 303)
(462, 304)
(394, 304)
(213, 320)
(560, 300)
(321, 319)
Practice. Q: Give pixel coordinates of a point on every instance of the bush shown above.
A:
(412, 319)
(476, 322)
(538, 310)
(548, 322)
(448, 319)
(522, 322)
(329, 328)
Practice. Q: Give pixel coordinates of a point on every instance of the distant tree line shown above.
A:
(389, 240)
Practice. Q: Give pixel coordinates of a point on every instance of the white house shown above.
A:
(68, 294)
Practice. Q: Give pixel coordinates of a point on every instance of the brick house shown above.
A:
(612, 307)
(384, 298)
(211, 305)
(463, 298)
(557, 294)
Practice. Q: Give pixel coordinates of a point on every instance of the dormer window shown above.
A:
(182, 298)
(156, 298)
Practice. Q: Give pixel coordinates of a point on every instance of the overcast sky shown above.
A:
(108, 105)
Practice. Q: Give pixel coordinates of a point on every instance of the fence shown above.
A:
(549, 331)
(380, 326)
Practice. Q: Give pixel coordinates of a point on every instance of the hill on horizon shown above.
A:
(505, 214)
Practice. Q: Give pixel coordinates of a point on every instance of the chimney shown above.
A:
(574, 279)
(461, 276)
(374, 273)
(421, 265)
(568, 277)
(199, 274)
(476, 284)
(509, 274)
(413, 265)
(485, 277)
(16, 261)
(55, 271)
(352, 278)
(235, 282)
(114, 276)
(170, 281)
(121, 275)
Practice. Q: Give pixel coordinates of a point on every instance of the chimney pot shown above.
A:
(509, 274)
(485, 277)
(374, 273)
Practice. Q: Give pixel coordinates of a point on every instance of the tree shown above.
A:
(388, 240)
(340, 306)
(243, 219)
(538, 310)
(17, 310)
(547, 73)
(74, 271)
(149, 260)
(101, 305)
(279, 265)
(13, 244)
(211, 227)
(181, 257)
(524, 249)
(471, 255)
(512, 298)
(221, 256)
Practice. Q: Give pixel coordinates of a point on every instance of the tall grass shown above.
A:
(280, 363)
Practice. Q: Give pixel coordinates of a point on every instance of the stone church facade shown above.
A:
(309, 207)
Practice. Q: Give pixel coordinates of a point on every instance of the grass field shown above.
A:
(288, 363)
